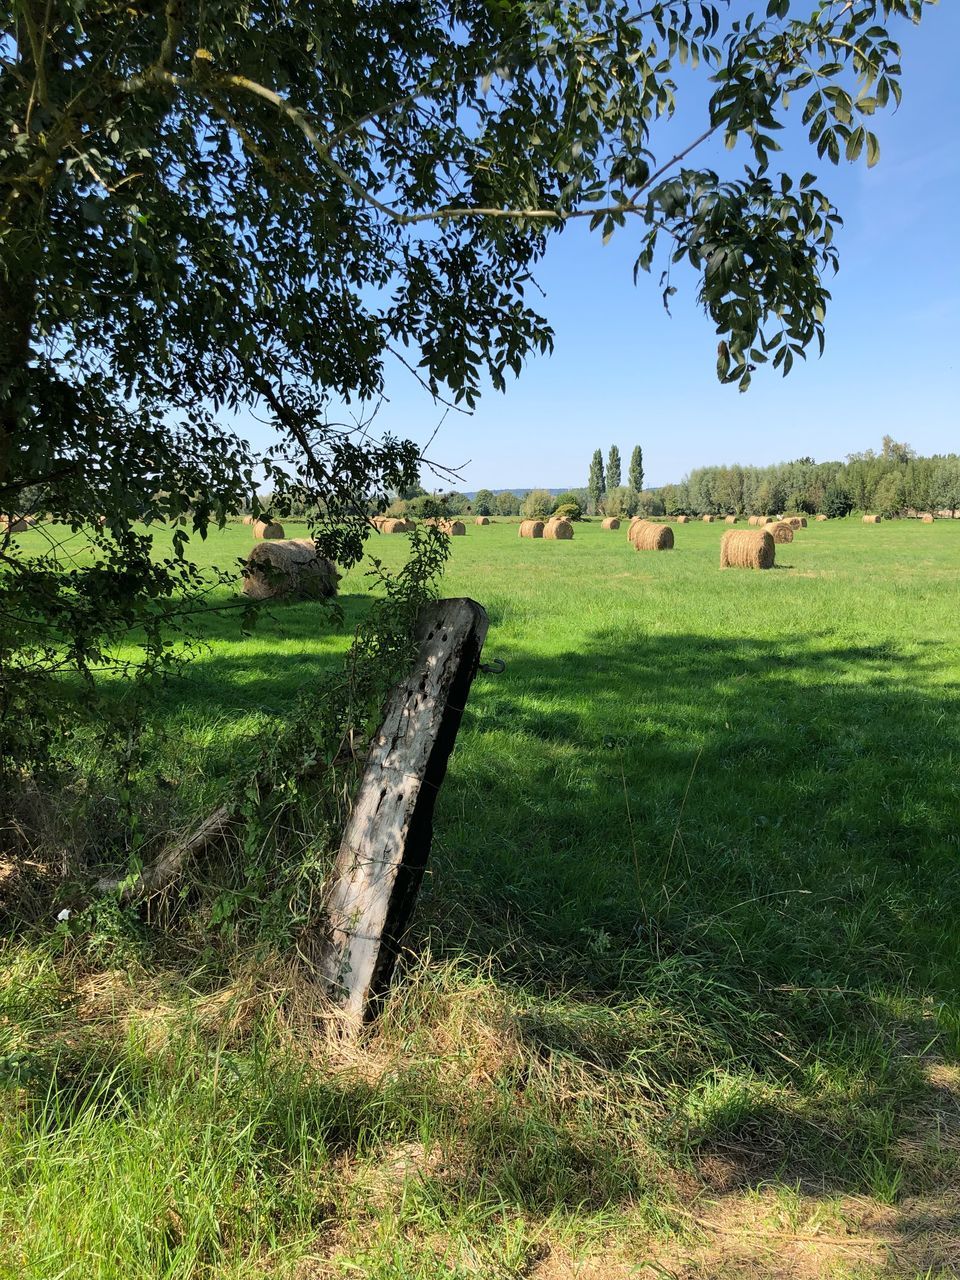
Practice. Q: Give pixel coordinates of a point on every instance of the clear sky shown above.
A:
(624, 372)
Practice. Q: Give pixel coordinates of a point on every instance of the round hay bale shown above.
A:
(796, 522)
(611, 522)
(452, 528)
(391, 525)
(730, 519)
(747, 549)
(683, 519)
(15, 524)
(821, 517)
(927, 518)
(531, 528)
(559, 530)
(753, 520)
(247, 520)
(270, 529)
(781, 531)
(482, 520)
(872, 519)
(647, 536)
(283, 570)
(708, 519)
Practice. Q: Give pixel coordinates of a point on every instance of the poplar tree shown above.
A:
(613, 468)
(636, 469)
(596, 483)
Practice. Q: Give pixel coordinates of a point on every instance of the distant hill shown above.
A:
(472, 493)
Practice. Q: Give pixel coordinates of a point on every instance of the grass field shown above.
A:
(683, 996)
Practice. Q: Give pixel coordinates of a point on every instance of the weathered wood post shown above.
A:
(384, 851)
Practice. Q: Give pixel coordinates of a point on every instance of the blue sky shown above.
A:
(624, 372)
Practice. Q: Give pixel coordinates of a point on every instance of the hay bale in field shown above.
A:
(927, 518)
(611, 522)
(683, 519)
(872, 519)
(15, 524)
(247, 520)
(269, 529)
(796, 522)
(559, 530)
(708, 519)
(821, 517)
(780, 531)
(452, 528)
(747, 549)
(391, 525)
(281, 570)
(730, 520)
(531, 529)
(482, 520)
(647, 536)
(753, 520)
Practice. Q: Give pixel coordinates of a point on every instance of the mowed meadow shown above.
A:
(683, 992)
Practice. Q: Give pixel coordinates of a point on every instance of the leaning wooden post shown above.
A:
(380, 865)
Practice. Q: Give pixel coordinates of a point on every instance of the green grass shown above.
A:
(689, 928)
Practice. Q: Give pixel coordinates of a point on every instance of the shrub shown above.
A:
(569, 511)
(536, 504)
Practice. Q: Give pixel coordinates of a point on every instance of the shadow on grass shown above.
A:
(724, 872)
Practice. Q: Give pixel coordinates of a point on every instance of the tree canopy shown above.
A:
(245, 208)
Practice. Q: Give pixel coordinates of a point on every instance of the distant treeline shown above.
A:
(893, 482)
(890, 483)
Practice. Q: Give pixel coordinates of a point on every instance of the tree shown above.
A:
(508, 504)
(537, 504)
(621, 501)
(652, 502)
(894, 451)
(771, 496)
(596, 482)
(889, 498)
(636, 469)
(613, 468)
(258, 208)
(837, 502)
(483, 503)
